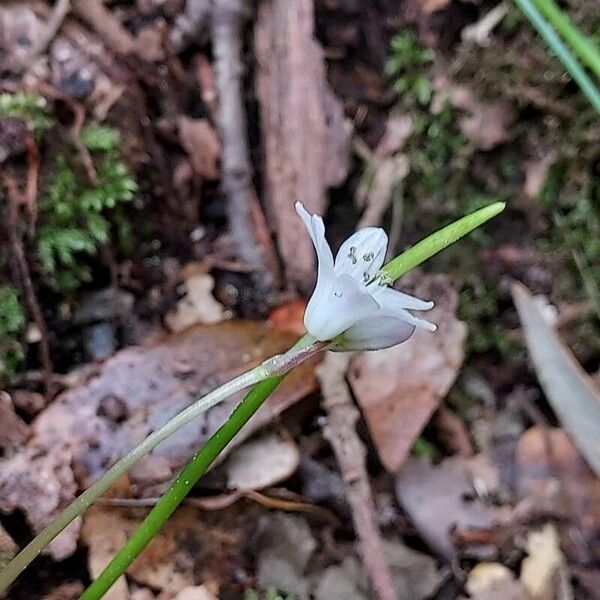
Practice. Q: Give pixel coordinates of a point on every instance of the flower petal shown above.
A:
(362, 254)
(336, 304)
(395, 303)
(316, 229)
(374, 334)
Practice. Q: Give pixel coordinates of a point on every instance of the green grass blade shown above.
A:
(563, 53)
(582, 46)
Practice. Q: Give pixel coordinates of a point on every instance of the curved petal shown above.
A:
(316, 229)
(395, 303)
(362, 254)
(374, 334)
(336, 304)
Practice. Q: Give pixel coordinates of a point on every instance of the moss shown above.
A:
(33, 108)
(75, 213)
(12, 326)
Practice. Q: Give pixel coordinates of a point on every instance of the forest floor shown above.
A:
(150, 156)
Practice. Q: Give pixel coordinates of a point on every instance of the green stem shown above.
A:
(180, 488)
(582, 46)
(562, 52)
(80, 504)
(251, 403)
(275, 365)
(436, 242)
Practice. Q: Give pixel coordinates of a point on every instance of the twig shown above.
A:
(12, 229)
(227, 20)
(350, 453)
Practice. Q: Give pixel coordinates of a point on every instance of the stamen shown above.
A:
(352, 255)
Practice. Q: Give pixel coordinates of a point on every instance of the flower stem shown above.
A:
(276, 365)
(586, 85)
(440, 240)
(180, 488)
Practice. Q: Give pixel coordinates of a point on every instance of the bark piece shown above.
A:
(306, 138)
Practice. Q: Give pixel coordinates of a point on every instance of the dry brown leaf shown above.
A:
(104, 539)
(88, 428)
(202, 145)
(176, 557)
(552, 475)
(261, 462)
(441, 500)
(290, 317)
(303, 125)
(197, 306)
(398, 389)
(197, 592)
(487, 125)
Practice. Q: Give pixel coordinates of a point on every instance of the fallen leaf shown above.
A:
(571, 392)
(493, 581)
(338, 583)
(40, 482)
(202, 145)
(88, 428)
(441, 499)
(415, 574)
(304, 129)
(398, 389)
(539, 569)
(197, 592)
(261, 462)
(552, 476)
(286, 545)
(290, 317)
(66, 591)
(487, 125)
(176, 559)
(104, 539)
(197, 306)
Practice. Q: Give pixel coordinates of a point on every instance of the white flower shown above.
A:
(352, 304)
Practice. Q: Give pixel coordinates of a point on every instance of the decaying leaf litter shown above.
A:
(474, 479)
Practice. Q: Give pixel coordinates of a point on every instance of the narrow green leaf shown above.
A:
(436, 242)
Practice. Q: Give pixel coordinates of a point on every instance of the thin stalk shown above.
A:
(180, 488)
(582, 46)
(273, 366)
(202, 460)
(586, 85)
